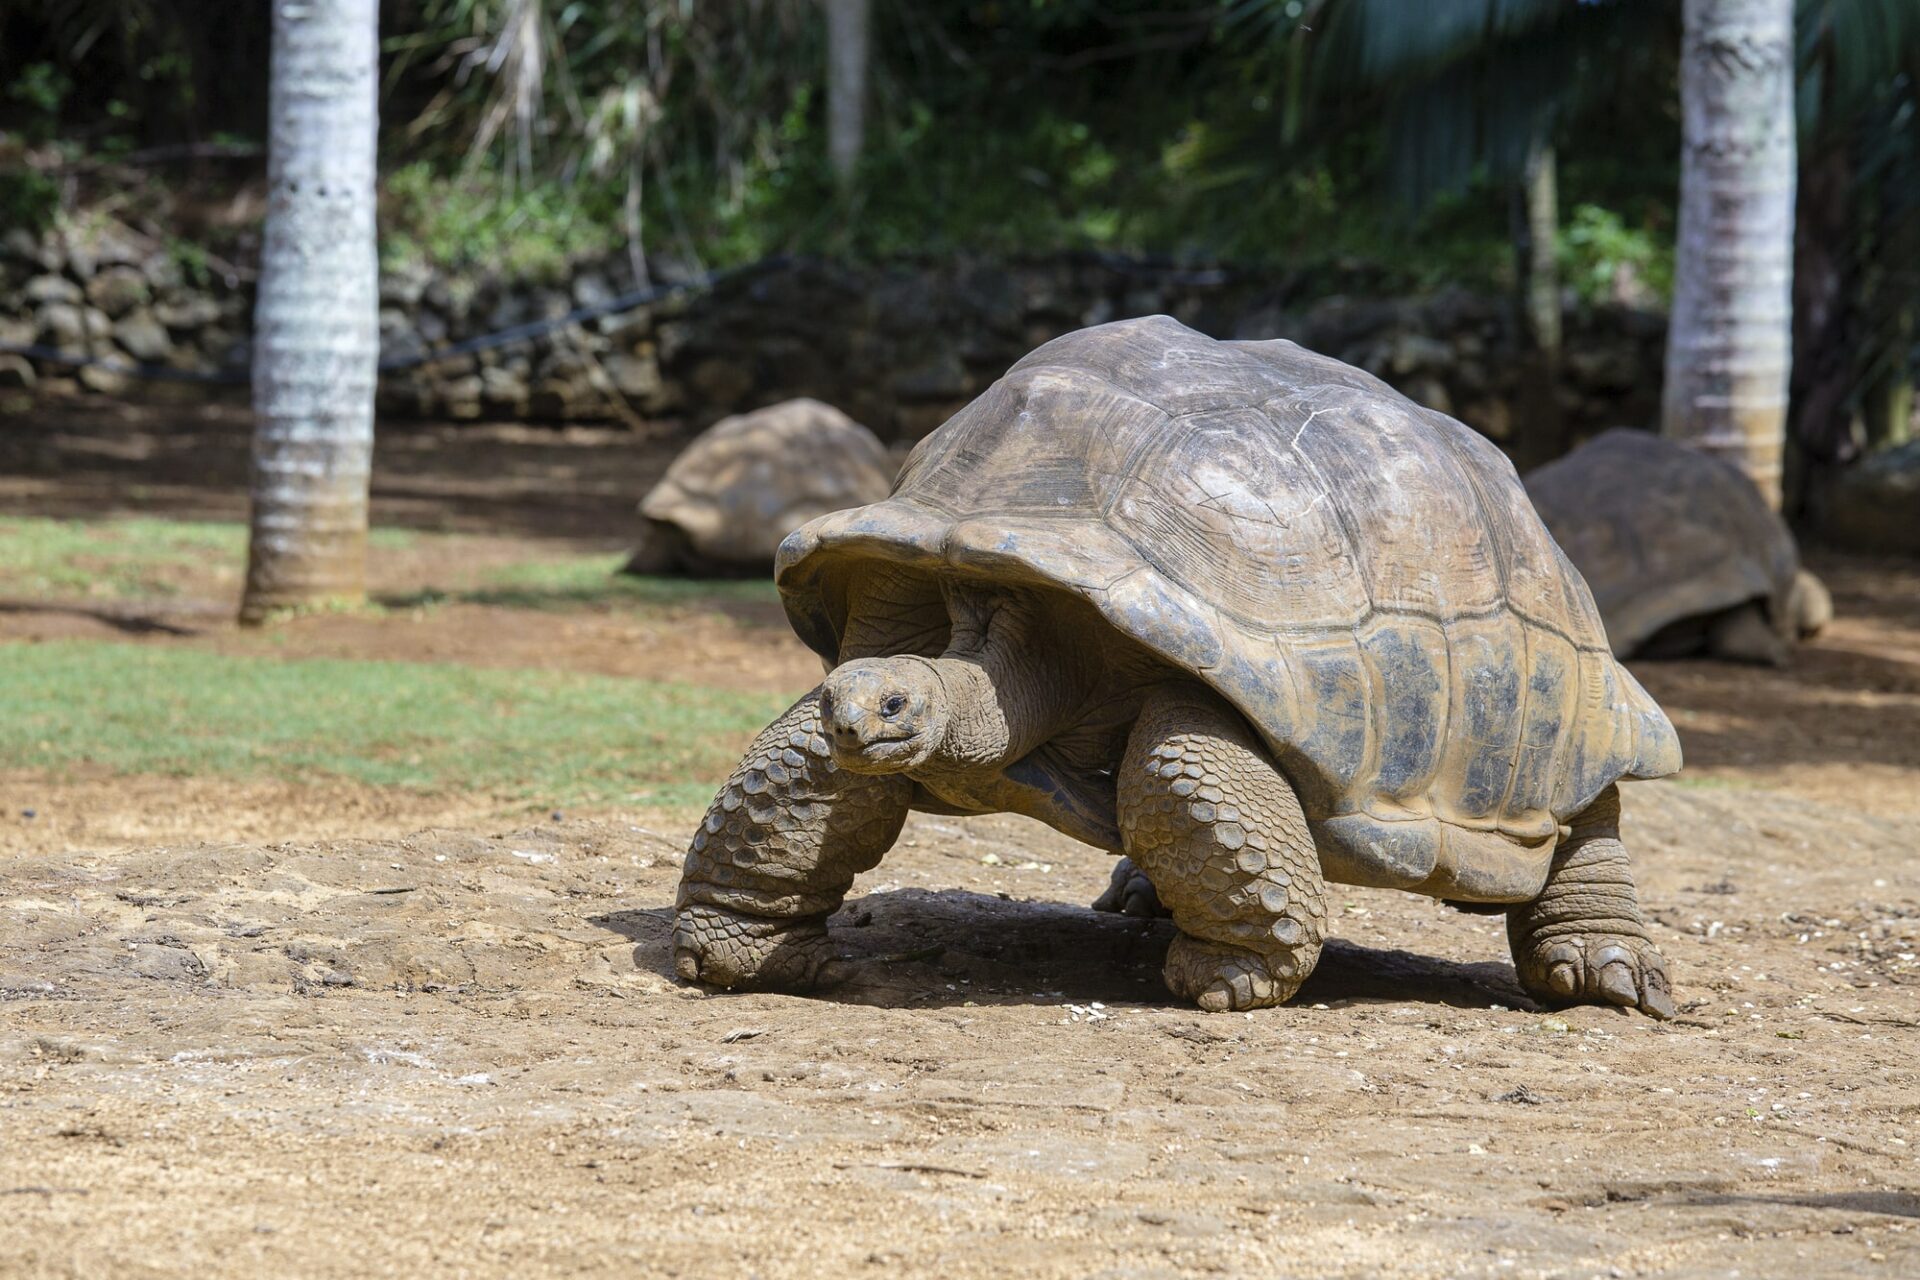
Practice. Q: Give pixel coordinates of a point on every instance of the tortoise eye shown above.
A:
(893, 706)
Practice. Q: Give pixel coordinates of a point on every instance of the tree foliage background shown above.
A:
(521, 133)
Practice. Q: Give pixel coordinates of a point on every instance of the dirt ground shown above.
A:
(276, 1028)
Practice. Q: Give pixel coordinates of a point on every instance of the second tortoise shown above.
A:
(748, 481)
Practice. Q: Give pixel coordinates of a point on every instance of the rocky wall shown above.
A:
(898, 345)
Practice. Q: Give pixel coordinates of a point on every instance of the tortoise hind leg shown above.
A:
(1583, 940)
(659, 551)
(1219, 832)
(1130, 893)
(1745, 635)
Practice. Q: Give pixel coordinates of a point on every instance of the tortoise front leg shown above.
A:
(775, 856)
(1583, 940)
(1219, 832)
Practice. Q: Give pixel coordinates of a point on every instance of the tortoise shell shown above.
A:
(1664, 532)
(748, 481)
(1364, 579)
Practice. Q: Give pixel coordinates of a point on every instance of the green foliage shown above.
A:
(127, 559)
(133, 72)
(192, 259)
(42, 89)
(1596, 246)
(544, 738)
(460, 222)
(520, 133)
(1850, 52)
(28, 199)
(1467, 91)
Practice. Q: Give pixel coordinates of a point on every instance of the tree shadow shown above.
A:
(751, 603)
(125, 623)
(919, 948)
(1892, 1204)
(188, 458)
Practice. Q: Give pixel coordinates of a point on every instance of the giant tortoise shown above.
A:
(748, 481)
(1681, 552)
(1234, 610)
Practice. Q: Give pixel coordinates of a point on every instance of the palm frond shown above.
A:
(516, 59)
(1848, 51)
(1381, 41)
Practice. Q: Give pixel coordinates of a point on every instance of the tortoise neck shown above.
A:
(1012, 677)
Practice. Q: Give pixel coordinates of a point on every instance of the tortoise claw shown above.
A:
(1227, 979)
(1613, 969)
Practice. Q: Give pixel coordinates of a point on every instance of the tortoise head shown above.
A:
(884, 715)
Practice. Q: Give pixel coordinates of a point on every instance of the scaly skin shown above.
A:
(775, 856)
(1220, 834)
(1583, 940)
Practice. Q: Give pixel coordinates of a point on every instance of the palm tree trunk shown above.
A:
(1729, 350)
(1543, 264)
(316, 329)
(1543, 434)
(847, 28)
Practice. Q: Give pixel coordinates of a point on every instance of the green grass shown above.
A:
(123, 559)
(145, 558)
(1710, 783)
(538, 737)
(587, 581)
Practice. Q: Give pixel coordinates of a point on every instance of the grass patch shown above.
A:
(133, 558)
(543, 738)
(1710, 782)
(588, 582)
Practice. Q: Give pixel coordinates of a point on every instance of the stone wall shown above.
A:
(112, 294)
(898, 345)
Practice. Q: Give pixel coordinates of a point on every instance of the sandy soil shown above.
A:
(460, 1053)
(311, 1029)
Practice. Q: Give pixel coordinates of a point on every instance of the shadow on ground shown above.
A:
(918, 948)
(126, 623)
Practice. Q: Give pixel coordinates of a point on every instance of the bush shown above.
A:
(531, 232)
(1605, 260)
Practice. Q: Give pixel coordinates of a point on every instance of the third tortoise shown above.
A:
(1681, 552)
(1237, 611)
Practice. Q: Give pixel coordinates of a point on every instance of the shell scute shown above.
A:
(1552, 696)
(1412, 517)
(1228, 507)
(1406, 662)
(1487, 658)
(1332, 745)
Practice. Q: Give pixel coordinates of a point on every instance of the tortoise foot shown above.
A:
(1222, 978)
(1597, 968)
(1130, 893)
(730, 949)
